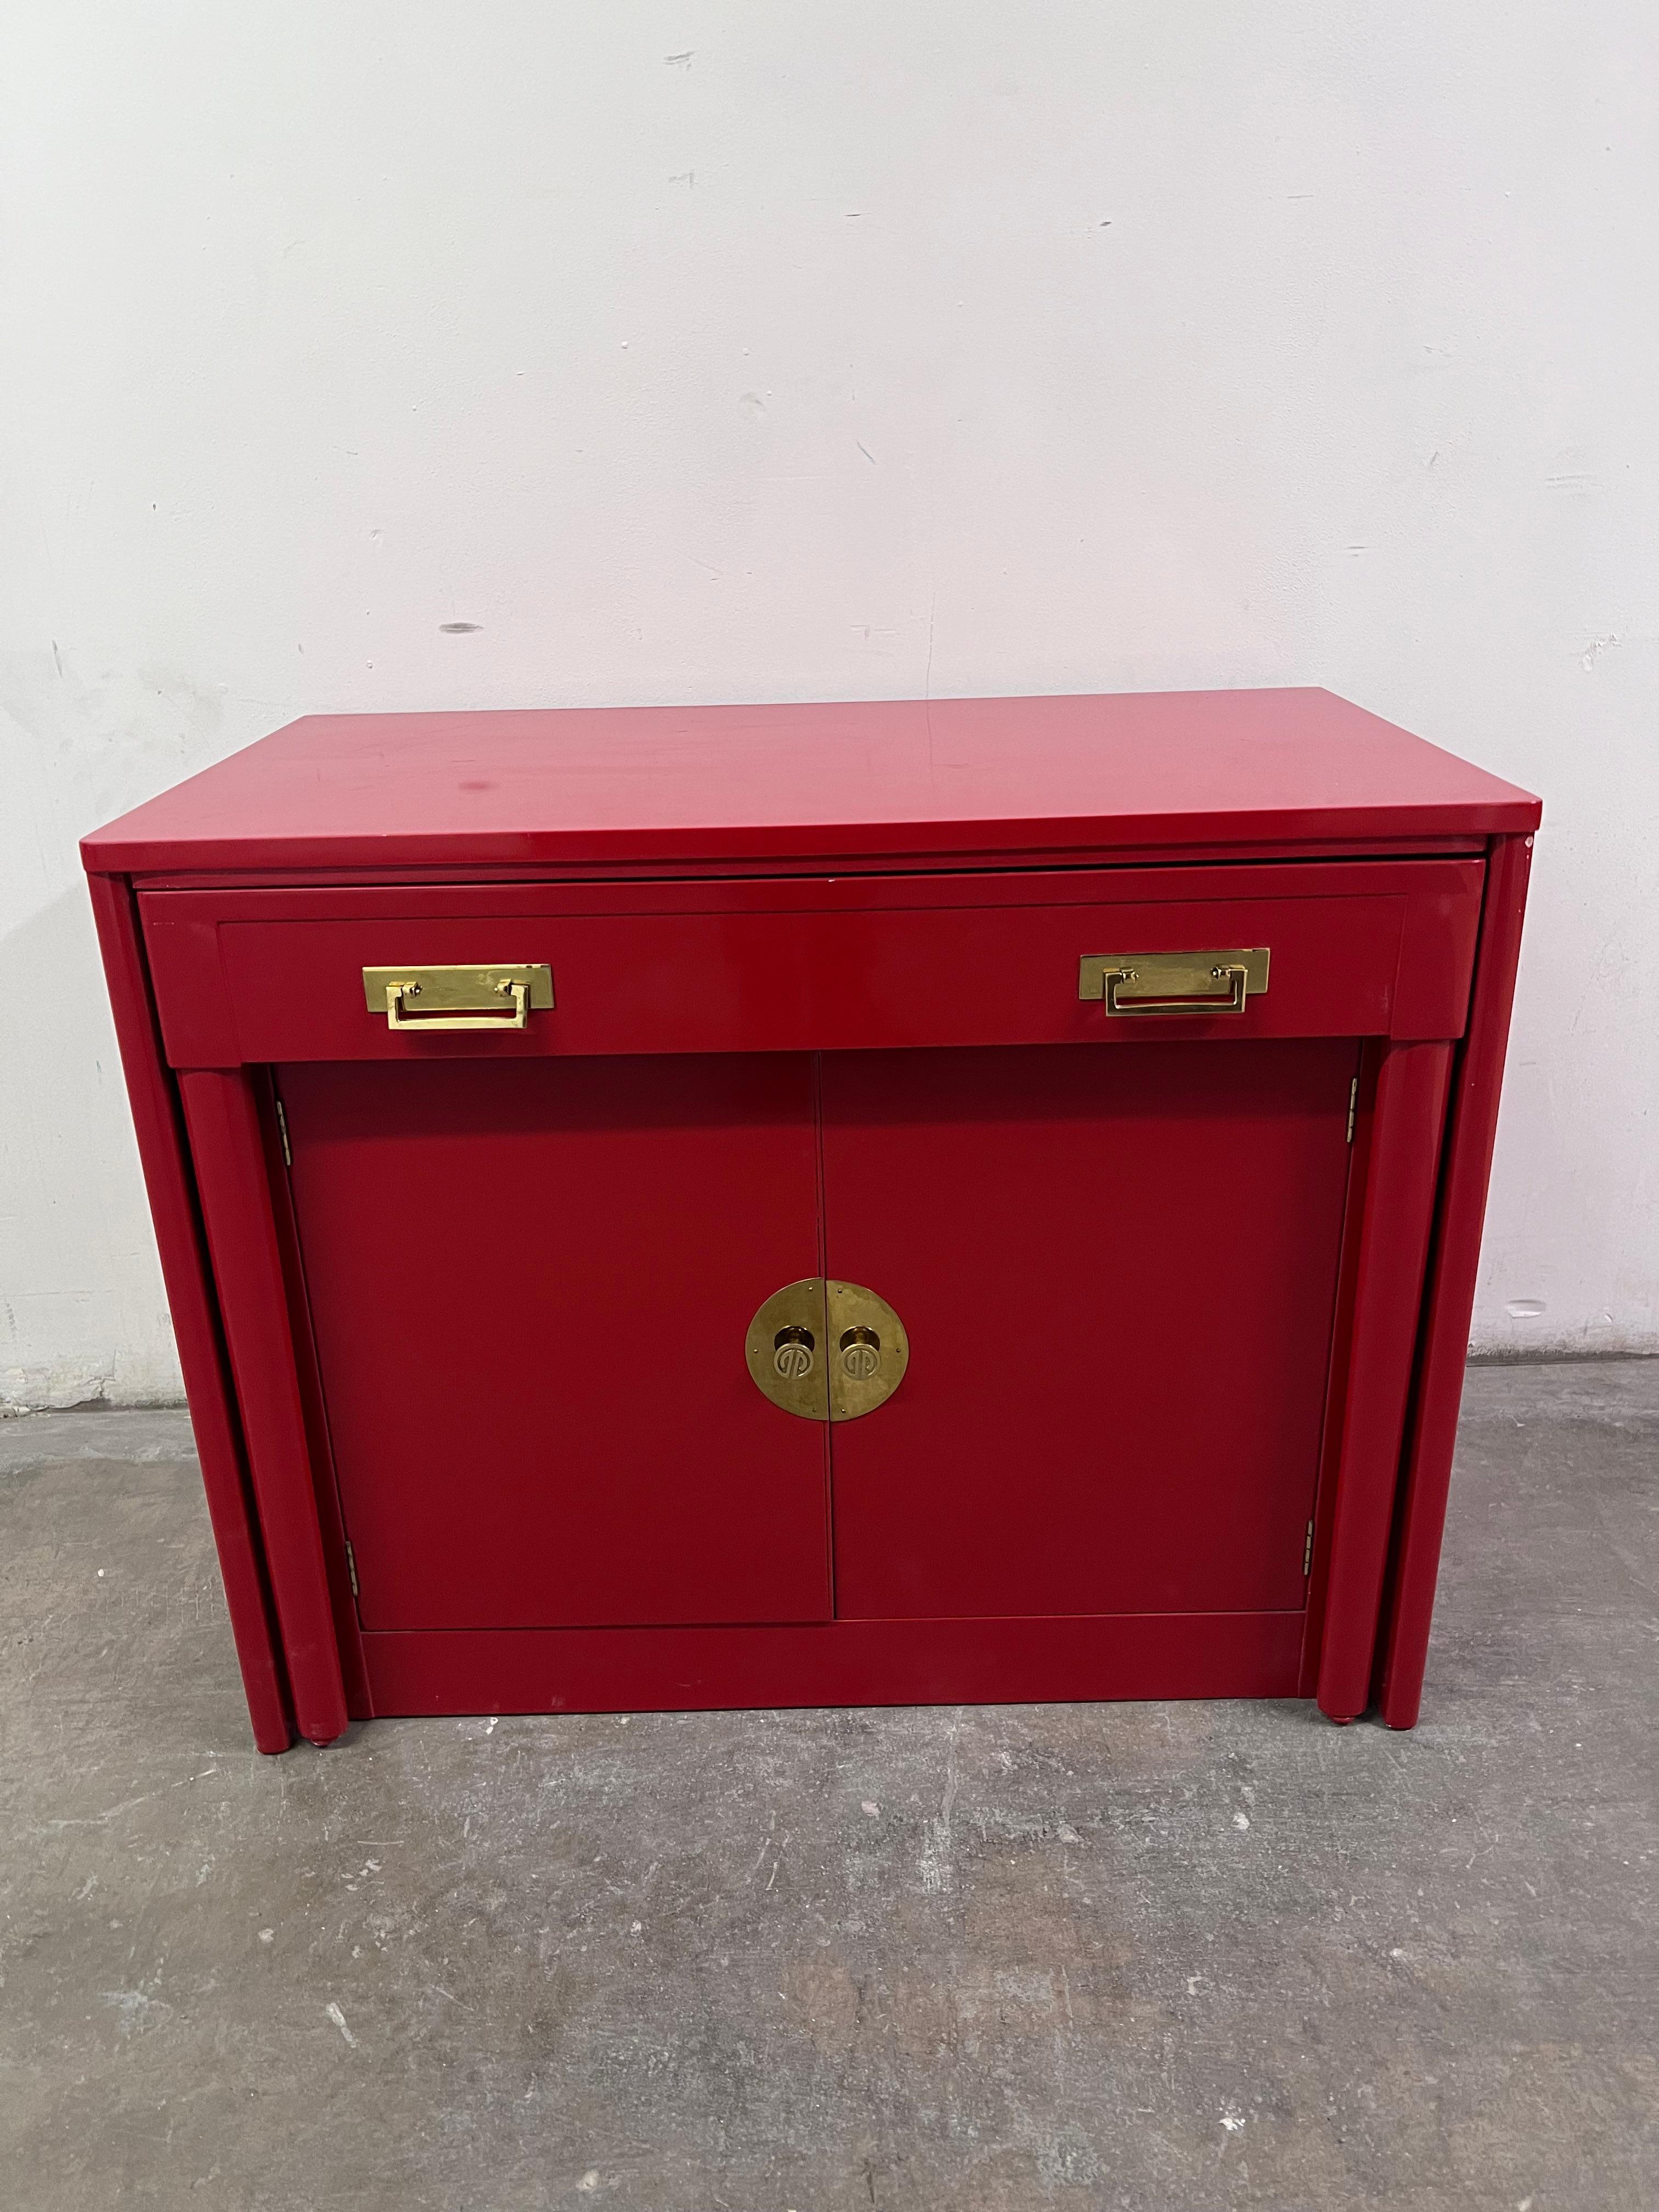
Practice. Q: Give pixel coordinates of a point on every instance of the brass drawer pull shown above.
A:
(498, 997)
(1174, 982)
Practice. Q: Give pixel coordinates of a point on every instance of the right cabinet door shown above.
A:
(1117, 1269)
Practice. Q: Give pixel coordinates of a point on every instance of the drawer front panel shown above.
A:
(810, 978)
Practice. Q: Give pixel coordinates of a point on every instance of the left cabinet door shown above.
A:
(527, 1282)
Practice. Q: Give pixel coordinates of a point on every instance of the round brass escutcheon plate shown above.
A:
(872, 1350)
(827, 1350)
(785, 1350)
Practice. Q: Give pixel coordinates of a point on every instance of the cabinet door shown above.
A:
(527, 1284)
(1117, 1271)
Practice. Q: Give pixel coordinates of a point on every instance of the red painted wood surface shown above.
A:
(1373, 1051)
(717, 983)
(1405, 1153)
(1118, 1274)
(227, 1151)
(196, 1329)
(1382, 951)
(1450, 1301)
(847, 868)
(324, 1487)
(848, 1662)
(530, 1287)
(899, 888)
(886, 777)
(1445, 877)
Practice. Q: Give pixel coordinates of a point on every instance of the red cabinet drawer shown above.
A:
(1355, 950)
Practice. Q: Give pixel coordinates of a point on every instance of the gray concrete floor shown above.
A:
(1163, 1956)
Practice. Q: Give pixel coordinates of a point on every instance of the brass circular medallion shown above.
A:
(827, 1350)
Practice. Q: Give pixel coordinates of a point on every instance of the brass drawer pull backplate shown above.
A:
(495, 998)
(1174, 982)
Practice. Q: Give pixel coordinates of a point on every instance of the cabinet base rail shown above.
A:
(844, 1663)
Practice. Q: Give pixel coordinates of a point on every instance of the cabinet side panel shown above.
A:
(1411, 1101)
(325, 1483)
(1452, 1285)
(1373, 1051)
(228, 1152)
(190, 1298)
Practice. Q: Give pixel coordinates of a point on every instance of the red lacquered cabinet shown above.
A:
(850, 1204)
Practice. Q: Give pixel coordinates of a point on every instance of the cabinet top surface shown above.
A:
(1003, 778)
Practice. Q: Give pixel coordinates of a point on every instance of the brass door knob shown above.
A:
(793, 1350)
(860, 1353)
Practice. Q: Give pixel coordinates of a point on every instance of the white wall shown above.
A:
(747, 351)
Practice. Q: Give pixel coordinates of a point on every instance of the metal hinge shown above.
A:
(282, 1131)
(1354, 1105)
(351, 1565)
(1307, 1557)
